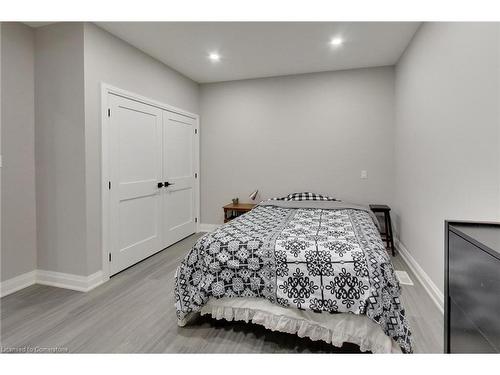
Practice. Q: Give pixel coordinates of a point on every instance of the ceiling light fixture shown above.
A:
(336, 41)
(214, 56)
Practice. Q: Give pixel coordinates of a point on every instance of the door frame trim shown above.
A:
(107, 89)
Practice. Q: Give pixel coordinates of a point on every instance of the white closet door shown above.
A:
(135, 145)
(178, 162)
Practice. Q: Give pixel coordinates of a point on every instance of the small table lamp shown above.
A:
(253, 195)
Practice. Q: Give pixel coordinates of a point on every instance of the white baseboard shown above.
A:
(208, 227)
(69, 281)
(51, 278)
(17, 283)
(429, 286)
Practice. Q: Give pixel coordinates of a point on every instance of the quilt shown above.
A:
(324, 256)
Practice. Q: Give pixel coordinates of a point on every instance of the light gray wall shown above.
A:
(312, 132)
(68, 63)
(60, 148)
(18, 171)
(447, 135)
(111, 60)
(1, 151)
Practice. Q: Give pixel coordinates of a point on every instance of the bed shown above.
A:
(305, 264)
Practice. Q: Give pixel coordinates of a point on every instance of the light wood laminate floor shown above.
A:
(134, 312)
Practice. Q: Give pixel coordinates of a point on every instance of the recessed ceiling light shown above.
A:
(336, 41)
(214, 56)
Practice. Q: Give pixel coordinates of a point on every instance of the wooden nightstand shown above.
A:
(234, 210)
(387, 235)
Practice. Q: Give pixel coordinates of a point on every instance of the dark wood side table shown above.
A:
(387, 235)
(232, 211)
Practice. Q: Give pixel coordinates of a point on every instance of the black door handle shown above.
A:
(160, 185)
(167, 184)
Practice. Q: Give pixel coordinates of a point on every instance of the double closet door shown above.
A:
(151, 180)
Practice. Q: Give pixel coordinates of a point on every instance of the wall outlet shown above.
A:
(364, 174)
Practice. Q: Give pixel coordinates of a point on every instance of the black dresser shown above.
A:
(472, 287)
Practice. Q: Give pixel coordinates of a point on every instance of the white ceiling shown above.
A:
(264, 49)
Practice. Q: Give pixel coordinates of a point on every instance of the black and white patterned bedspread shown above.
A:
(325, 260)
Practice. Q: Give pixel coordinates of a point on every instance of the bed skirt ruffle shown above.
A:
(335, 329)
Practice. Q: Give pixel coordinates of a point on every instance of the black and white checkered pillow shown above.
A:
(305, 196)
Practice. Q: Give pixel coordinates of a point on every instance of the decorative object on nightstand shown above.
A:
(232, 211)
(387, 235)
(254, 194)
(235, 201)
